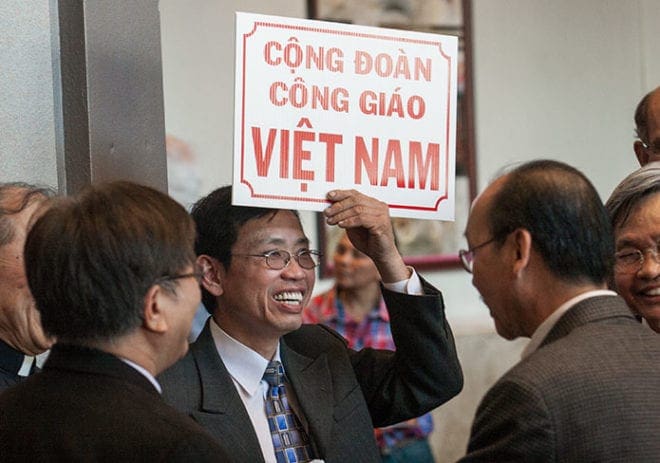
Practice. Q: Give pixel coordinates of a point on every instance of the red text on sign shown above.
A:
(420, 166)
(294, 152)
(382, 104)
(300, 95)
(397, 67)
(294, 55)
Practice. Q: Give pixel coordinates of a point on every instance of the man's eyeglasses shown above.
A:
(279, 258)
(632, 260)
(467, 255)
(197, 275)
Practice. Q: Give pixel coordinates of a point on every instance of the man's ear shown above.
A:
(153, 314)
(212, 271)
(521, 239)
(642, 155)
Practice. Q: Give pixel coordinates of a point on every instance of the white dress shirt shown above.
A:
(144, 373)
(246, 368)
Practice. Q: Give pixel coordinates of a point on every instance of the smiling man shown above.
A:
(258, 276)
(540, 253)
(634, 208)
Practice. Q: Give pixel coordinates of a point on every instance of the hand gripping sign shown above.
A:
(321, 106)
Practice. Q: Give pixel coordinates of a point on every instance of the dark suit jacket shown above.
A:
(589, 393)
(87, 405)
(342, 393)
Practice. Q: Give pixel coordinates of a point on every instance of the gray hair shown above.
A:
(634, 189)
(26, 194)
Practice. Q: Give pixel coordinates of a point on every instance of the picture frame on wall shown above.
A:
(425, 244)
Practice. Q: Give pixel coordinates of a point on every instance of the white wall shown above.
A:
(27, 121)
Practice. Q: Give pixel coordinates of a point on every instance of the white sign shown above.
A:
(321, 106)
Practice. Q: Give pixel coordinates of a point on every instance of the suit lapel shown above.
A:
(312, 383)
(222, 412)
(589, 310)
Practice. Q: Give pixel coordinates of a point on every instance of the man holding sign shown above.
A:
(258, 276)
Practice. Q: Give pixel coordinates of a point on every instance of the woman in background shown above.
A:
(354, 308)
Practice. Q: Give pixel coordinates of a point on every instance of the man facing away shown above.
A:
(540, 253)
(113, 276)
(647, 126)
(258, 276)
(21, 335)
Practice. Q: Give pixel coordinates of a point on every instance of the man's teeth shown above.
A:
(289, 296)
(653, 292)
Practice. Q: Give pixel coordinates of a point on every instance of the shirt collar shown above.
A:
(144, 373)
(549, 323)
(245, 365)
(15, 361)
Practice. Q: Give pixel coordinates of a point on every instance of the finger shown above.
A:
(338, 195)
(349, 214)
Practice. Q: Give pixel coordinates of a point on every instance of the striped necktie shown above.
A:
(290, 440)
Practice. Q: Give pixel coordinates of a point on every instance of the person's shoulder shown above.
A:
(588, 352)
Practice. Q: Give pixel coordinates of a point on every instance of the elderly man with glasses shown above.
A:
(541, 253)
(634, 209)
(272, 390)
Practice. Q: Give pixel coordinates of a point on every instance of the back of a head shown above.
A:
(218, 223)
(642, 116)
(91, 259)
(561, 209)
(632, 191)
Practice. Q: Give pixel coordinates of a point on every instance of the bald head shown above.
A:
(647, 127)
(564, 214)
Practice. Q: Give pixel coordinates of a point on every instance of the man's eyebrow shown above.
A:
(633, 243)
(277, 241)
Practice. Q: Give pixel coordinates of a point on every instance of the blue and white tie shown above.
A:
(290, 440)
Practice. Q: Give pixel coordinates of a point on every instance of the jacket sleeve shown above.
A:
(423, 373)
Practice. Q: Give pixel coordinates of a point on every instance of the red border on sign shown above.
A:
(256, 24)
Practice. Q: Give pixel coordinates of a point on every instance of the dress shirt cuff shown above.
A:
(412, 285)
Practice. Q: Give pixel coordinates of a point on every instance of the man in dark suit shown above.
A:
(21, 335)
(258, 276)
(114, 279)
(541, 251)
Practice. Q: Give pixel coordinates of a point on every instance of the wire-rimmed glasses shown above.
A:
(467, 255)
(278, 259)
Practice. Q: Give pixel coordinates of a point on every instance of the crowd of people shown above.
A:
(109, 280)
